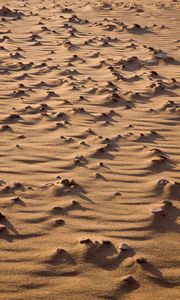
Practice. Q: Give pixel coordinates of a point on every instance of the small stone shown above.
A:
(75, 202)
(163, 181)
(57, 209)
(16, 200)
(97, 175)
(124, 247)
(85, 241)
(59, 222)
(65, 182)
(141, 260)
(89, 130)
(2, 216)
(167, 203)
(2, 229)
(116, 194)
(22, 136)
(73, 183)
(128, 278)
(106, 242)
(101, 150)
(60, 251)
(6, 127)
(157, 210)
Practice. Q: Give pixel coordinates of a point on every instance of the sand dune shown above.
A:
(89, 126)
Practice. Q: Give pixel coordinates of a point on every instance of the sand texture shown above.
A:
(89, 150)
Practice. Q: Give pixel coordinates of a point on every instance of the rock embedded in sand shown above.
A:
(97, 175)
(66, 182)
(89, 130)
(60, 251)
(106, 242)
(6, 128)
(124, 247)
(85, 241)
(116, 194)
(3, 229)
(69, 183)
(82, 143)
(57, 209)
(14, 117)
(2, 216)
(157, 210)
(167, 203)
(128, 278)
(16, 200)
(101, 150)
(75, 203)
(59, 222)
(141, 260)
(163, 181)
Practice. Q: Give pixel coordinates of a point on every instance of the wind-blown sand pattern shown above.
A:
(90, 151)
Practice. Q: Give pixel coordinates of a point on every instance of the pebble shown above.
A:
(59, 222)
(66, 182)
(2, 229)
(128, 278)
(85, 241)
(157, 210)
(2, 216)
(124, 247)
(167, 203)
(141, 260)
(60, 251)
(116, 194)
(163, 181)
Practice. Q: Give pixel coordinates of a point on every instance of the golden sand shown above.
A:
(89, 148)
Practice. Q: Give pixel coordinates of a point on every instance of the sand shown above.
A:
(90, 151)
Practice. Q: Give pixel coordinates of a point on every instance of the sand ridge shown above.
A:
(89, 127)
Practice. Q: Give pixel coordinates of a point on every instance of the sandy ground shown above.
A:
(89, 148)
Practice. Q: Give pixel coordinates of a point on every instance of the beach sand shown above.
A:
(90, 150)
